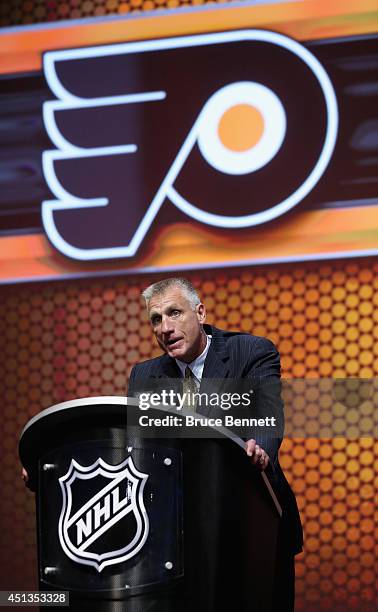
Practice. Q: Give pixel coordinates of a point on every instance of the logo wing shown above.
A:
(95, 170)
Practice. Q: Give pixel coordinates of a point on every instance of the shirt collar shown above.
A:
(197, 364)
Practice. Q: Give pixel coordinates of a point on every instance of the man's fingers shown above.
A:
(259, 457)
(264, 462)
(250, 447)
(257, 454)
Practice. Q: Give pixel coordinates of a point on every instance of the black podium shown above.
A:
(147, 524)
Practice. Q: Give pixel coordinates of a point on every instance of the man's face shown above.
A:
(177, 327)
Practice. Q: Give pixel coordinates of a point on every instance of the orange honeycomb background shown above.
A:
(75, 339)
(17, 12)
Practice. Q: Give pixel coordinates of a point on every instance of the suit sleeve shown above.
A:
(265, 370)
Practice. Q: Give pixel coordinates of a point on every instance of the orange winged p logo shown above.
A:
(206, 122)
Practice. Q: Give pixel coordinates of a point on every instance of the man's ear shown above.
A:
(201, 312)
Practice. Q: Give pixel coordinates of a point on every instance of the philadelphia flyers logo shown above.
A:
(234, 129)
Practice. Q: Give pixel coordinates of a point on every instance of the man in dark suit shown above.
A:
(195, 351)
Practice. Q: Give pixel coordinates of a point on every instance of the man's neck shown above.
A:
(197, 364)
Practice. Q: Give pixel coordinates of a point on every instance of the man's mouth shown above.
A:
(170, 344)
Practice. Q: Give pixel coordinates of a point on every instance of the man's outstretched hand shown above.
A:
(259, 457)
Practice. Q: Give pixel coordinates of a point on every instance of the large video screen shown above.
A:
(130, 148)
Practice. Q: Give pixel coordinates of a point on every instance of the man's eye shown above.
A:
(155, 320)
(175, 313)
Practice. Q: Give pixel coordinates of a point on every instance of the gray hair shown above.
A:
(161, 287)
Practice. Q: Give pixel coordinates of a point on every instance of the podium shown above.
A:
(147, 524)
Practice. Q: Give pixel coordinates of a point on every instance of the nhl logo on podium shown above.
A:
(103, 519)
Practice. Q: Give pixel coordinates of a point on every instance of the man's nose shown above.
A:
(166, 325)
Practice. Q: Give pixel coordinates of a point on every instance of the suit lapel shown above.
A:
(169, 368)
(216, 368)
(166, 376)
(216, 364)
(164, 367)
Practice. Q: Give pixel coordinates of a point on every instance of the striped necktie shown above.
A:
(189, 387)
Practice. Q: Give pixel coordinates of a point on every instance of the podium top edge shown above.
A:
(117, 400)
(124, 401)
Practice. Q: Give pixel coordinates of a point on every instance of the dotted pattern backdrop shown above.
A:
(62, 341)
(18, 12)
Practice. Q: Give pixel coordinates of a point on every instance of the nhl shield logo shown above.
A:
(102, 508)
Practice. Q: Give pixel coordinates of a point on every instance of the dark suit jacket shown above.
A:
(234, 355)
